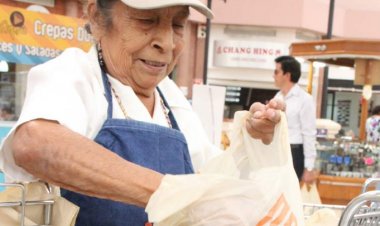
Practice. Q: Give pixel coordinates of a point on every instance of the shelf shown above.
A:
(7, 83)
(339, 190)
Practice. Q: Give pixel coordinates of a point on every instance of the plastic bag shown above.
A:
(64, 213)
(323, 217)
(250, 184)
(310, 194)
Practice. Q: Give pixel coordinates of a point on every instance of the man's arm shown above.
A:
(308, 127)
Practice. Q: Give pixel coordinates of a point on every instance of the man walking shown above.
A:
(301, 116)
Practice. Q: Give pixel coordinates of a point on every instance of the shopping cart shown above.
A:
(21, 204)
(309, 209)
(369, 182)
(363, 210)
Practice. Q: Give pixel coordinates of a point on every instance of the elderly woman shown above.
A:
(107, 125)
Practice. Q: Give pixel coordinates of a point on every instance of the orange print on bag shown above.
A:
(279, 214)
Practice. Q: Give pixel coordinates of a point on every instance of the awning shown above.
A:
(338, 52)
(363, 55)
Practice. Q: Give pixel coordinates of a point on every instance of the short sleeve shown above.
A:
(58, 91)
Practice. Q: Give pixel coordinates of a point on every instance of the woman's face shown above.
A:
(143, 46)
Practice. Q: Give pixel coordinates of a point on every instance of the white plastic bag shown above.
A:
(323, 217)
(310, 194)
(250, 184)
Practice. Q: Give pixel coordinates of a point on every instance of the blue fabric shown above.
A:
(156, 147)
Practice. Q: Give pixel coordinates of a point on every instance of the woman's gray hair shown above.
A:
(104, 14)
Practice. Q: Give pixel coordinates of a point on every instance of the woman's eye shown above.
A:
(147, 21)
(180, 26)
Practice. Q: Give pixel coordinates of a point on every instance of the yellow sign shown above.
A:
(31, 37)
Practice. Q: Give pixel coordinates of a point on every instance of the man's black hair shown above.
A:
(291, 65)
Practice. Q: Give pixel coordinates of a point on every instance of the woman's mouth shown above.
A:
(154, 63)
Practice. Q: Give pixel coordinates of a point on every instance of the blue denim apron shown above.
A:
(155, 147)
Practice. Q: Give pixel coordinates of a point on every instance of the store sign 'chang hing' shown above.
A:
(31, 38)
(247, 54)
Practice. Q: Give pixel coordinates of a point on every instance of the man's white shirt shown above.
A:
(301, 116)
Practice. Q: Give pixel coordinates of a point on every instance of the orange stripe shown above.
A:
(284, 212)
(280, 205)
(292, 221)
(272, 211)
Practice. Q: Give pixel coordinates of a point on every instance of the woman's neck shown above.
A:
(146, 95)
(148, 101)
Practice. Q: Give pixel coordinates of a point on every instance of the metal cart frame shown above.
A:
(309, 208)
(369, 182)
(22, 203)
(363, 210)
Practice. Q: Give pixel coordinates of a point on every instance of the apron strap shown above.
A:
(106, 82)
(108, 94)
(170, 113)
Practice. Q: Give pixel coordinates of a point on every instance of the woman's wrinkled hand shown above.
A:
(263, 119)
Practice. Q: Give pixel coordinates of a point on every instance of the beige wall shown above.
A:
(352, 18)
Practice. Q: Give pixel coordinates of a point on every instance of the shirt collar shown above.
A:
(92, 55)
(294, 91)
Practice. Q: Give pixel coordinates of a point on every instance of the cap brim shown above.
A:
(156, 4)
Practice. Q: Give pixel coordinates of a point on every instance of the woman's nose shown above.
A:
(164, 39)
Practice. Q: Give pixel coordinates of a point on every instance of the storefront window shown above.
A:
(12, 91)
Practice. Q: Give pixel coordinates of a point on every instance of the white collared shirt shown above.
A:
(301, 116)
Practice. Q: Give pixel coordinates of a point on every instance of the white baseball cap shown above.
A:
(156, 4)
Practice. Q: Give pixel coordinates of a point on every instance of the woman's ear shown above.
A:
(91, 10)
(94, 20)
